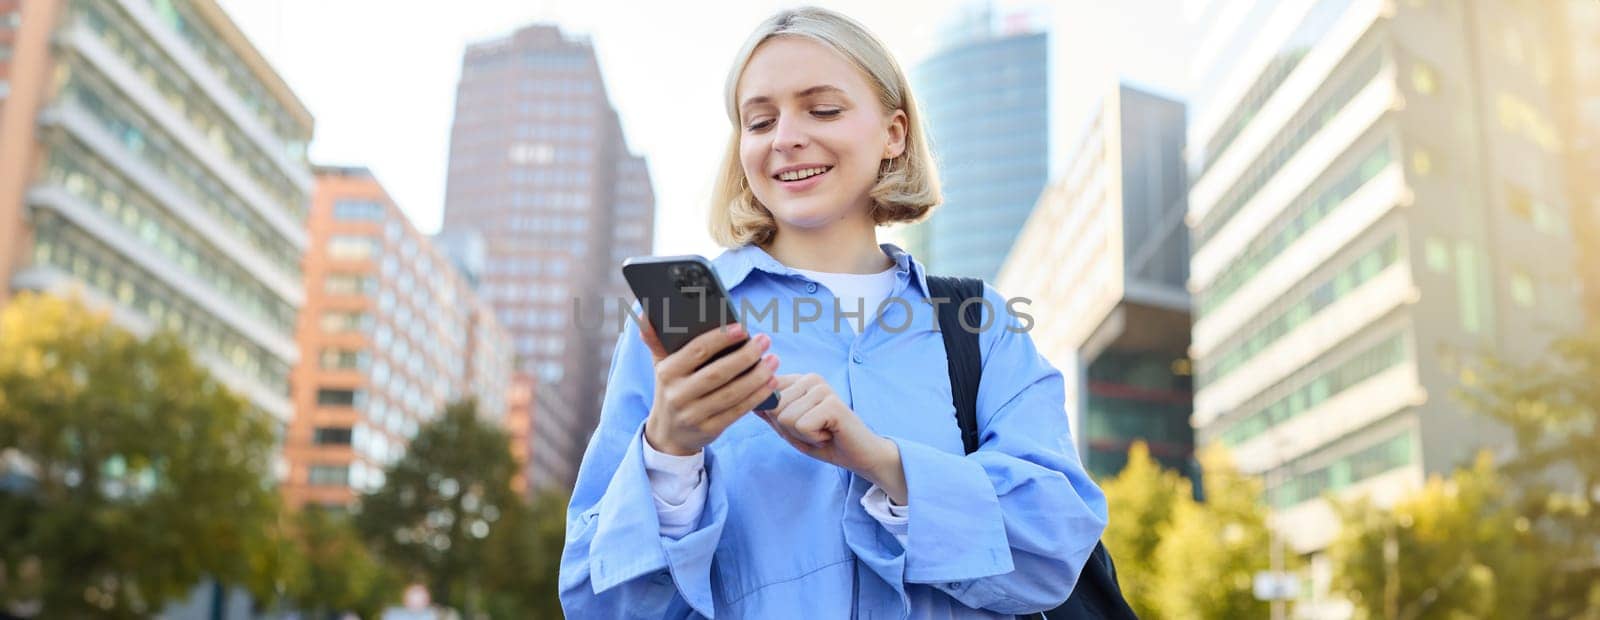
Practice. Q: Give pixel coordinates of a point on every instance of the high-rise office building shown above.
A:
(1379, 197)
(983, 98)
(390, 334)
(539, 167)
(155, 165)
(1578, 110)
(1104, 259)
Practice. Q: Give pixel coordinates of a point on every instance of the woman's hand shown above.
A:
(692, 407)
(813, 420)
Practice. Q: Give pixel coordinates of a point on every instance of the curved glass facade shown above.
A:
(984, 106)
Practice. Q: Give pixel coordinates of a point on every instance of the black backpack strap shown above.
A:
(961, 348)
(1097, 595)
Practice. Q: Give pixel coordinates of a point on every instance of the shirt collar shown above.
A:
(734, 265)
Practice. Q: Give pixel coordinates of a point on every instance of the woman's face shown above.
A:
(812, 132)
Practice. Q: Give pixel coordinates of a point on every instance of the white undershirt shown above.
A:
(679, 482)
(856, 291)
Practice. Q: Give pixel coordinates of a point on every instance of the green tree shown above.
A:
(1209, 552)
(143, 473)
(334, 569)
(1140, 500)
(525, 559)
(440, 505)
(1552, 408)
(1455, 549)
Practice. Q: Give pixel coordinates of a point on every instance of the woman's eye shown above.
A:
(758, 126)
(826, 113)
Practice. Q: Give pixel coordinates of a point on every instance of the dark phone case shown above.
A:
(682, 298)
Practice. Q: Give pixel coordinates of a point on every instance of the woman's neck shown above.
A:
(846, 246)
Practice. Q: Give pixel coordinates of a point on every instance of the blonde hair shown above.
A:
(908, 185)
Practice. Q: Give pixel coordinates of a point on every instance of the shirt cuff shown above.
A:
(678, 486)
(894, 518)
(673, 477)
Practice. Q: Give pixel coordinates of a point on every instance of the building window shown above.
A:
(1423, 79)
(336, 321)
(352, 247)
(1522, 289)
(1519, 203)
(332, 436)
(1472, 295)
(1438, 254)
(329, 475)
(1364, 365)
(349, 284)
(336, 397)
(357, 210)
(343, 359)
(1422, 162)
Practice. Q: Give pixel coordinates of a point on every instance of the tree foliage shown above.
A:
(334, 570)
(1455, 549)
(440, 511)
(1140, 500)
(1552, 408)
(132, 472)
(1181, 558)
(1210, 552)
(525, 559)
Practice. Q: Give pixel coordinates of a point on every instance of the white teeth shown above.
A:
(795, 175)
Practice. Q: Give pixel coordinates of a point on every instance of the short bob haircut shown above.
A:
(908, 185)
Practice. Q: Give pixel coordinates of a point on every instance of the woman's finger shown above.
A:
(791, 389)
(787, 435)
(728, 369)
(647, 333)
(685, 361)
(743, 393)
(801, 407)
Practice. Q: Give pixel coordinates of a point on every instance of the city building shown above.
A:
(155, 166)
(519, 426)
(1103, 259)
(983, 97)
(538, 167)
(1578, 110)
(549, 465)
(390, 334)
(1378, 197)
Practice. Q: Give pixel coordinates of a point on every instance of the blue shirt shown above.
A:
(1002, 531)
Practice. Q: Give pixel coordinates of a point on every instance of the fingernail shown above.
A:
(736, 330)
(763, 340)
(771, 362)
(772, 384)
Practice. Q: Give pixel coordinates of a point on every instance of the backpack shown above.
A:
(1096, 595)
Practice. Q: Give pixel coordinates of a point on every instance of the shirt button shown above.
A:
(954, 585)
(857, 358)
(811, 287)
(662, 578)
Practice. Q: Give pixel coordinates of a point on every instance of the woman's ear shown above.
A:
(896, 143)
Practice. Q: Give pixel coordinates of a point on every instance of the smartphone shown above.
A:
(683, 298)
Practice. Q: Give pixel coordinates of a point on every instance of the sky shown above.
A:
(379, 76)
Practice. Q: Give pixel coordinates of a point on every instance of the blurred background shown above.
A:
(308, 306)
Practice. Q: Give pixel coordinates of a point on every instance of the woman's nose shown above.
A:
(788, 136)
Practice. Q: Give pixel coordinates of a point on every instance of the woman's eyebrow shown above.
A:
(809, 92)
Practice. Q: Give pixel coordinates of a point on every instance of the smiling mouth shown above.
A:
(801, 175)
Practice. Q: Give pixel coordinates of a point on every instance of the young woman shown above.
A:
(852, 498)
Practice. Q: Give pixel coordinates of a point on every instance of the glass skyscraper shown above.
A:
(983, 98)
